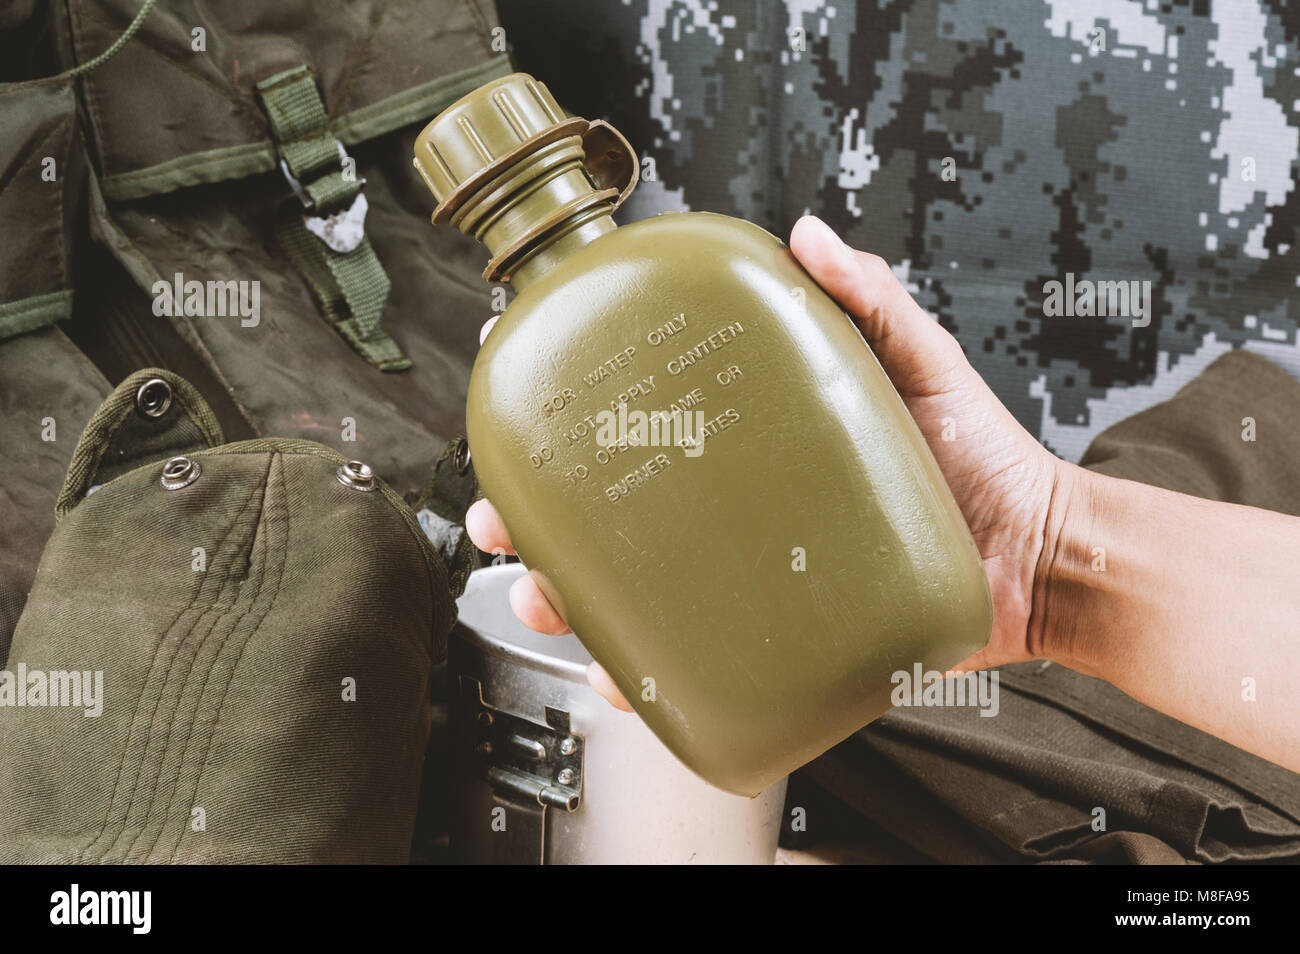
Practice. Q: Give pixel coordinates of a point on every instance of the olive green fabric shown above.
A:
(303, 140)
(42, 192)
(1194, 443)
(292, 374)
(47, 391)
(201, 196)
(119, 438)
(265, 636)
(159, 161)
(381, 66)
(1023, 786)
(47, 386)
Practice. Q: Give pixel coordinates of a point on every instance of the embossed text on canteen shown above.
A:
(621, 426)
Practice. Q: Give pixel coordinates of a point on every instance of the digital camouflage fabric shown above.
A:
(985, 149)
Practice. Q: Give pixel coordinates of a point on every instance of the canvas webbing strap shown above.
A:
(322, 230)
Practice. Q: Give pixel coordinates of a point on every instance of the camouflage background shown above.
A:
(1114, 139)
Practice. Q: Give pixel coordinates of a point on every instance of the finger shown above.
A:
(984, 659)
(992, 656)
(487, 326)
(534, 609)
(486, 528)
(912, 346)
(600, 681)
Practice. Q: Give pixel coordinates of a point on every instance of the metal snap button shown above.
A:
(180, 472)
(154, 398)
(356, 475)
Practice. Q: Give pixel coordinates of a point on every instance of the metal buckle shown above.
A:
(342, 231)
(540, 763)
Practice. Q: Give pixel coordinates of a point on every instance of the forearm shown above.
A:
(1190, 606)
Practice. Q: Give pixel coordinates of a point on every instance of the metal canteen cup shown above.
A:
(632, 800)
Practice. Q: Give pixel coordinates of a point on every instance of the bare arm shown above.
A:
(1189, 606)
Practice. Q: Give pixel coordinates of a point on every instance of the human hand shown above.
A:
(1002, 478)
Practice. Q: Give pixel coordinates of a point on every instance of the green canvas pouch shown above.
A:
(226, 653)
(47, 385)
(223, 135)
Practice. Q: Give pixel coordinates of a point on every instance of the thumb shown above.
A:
(917, 353)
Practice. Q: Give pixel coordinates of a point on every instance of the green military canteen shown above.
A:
(697, 455)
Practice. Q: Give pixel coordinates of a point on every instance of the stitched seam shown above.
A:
(234, 669)
(399, 101)
(157, 701)
(190, 409)
(249, 605)
(144, 688)
(198, 590)
(102, 437)
(438, 572)
(436, 96)
(216, 660)
(77, 25)
(137, 784)
(34, 303)
(165, 731)
(182, 163)
(63, 225)
(170, 727)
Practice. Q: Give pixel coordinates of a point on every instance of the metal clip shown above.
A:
(342, 231)
(540, 763)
